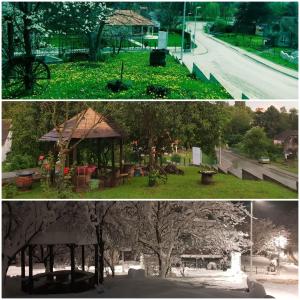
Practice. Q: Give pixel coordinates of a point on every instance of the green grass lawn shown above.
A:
(291, 166)
(174, 40)
(254, 44)
(180, 187)
(84, 80)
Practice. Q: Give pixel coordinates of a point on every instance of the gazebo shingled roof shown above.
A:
(129, 18)
(60, 233)
(90, 125)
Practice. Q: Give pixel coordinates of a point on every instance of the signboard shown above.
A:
(162, 40)
(235, 262)
(197, 156)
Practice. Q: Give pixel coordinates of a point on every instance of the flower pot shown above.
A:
(24, 181)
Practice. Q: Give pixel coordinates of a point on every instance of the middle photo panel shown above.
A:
(149, 150)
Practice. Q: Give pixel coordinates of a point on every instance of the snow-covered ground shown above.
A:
(197, 283)
(282, 285)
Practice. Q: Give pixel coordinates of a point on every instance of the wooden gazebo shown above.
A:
(60, 281)
(92, 126)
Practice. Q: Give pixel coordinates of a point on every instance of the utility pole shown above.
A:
(195, 25)
(251, 237)
(182, 33)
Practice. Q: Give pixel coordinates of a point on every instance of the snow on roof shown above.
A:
(128, 18)
(60, 233)
(89, 125)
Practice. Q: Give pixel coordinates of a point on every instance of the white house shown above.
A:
(6, 137)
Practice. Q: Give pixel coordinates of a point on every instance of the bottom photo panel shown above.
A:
(150, 249)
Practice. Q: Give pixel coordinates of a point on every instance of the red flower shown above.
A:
(41, 157)
(66, 170)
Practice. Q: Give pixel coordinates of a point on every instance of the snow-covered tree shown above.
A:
(264, 236)
(22, 221)
(163, 228)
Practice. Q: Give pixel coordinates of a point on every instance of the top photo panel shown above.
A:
(149, 50)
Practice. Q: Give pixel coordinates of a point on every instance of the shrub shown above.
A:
(176, 158)
(78, 56)
(221, 26)
(158, 57)
(18, 162)
(157, 91)
(118, 85)
(9, 191)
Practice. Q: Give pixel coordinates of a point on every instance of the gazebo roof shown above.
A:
(88, 124)
(128, 18)
(60, 233)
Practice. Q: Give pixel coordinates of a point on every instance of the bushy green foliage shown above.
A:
(9, 191)
(176, 158)
(19, 162)
(221, 26)
(256, 143)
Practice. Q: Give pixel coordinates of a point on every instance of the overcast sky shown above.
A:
(266, 103)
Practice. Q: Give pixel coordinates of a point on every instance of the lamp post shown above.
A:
(195, 24)
(182, 33)
(251, 237)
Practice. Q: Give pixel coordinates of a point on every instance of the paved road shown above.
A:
(237, 72)
(236, 163)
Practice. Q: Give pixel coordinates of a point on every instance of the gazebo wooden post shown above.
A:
(23, 273)
(96, 263)
(82, 258)
(113, 156)
(51, 258)
(72, 256)
(74, 155)
(30, 267)
(121, 155)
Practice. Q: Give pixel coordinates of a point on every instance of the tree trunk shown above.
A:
(101, 263)
(163, 268)
(10, 38)
(92, 46)
(5, 265)
(28, 47)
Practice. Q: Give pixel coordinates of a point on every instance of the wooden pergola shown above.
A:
(89, 125)
(59, 234)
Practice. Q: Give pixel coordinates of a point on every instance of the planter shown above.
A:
(81, 182)
(24, 180)
(207, 177)
(158, 57)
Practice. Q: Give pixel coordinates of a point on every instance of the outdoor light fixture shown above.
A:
(195, 25)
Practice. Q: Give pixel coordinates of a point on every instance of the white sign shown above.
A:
(197, 156)
(235, 262)
(162, 40)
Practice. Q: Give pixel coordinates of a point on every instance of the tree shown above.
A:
(239, 124)
(87, 18)
(249, 14)
(163, 228)
(264, 234)
(255, 142)
(21, 222)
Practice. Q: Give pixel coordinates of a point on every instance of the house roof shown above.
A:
(88, 124)
(285, 134)
(6, 125)
(128, 18)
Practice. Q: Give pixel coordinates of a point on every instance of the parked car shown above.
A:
(264, 160)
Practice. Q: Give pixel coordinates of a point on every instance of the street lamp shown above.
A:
(182, 33)
(195, 23)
